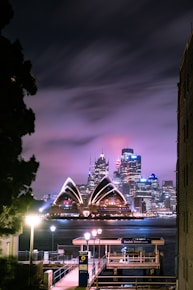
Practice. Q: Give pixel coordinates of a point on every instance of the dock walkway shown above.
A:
(69, 281)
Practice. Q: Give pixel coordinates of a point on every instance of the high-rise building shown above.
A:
(130, 170)
(117, 175)
(185, 169)
(147, 192)
(169, 195)
(143, 195)
(101, 169)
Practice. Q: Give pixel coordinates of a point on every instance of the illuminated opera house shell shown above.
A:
(105, 199)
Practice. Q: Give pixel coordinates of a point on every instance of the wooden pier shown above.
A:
(131, 252)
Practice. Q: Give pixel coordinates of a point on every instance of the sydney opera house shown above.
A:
(105, 200)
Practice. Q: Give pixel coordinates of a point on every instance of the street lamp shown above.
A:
(52, 229)
(32, 221)
(99, 232)
(87, 238)
(94, 233)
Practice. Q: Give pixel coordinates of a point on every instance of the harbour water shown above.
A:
(67, 230)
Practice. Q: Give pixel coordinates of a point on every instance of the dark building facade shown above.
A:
(185, 169)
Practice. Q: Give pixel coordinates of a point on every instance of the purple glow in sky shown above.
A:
(107, 73)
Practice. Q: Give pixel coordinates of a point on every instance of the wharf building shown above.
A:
(185, 169)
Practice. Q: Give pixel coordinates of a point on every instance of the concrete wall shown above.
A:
(9, 246)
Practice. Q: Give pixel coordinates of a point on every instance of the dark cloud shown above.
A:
(76, 142)
(74, 44)
(107, 74)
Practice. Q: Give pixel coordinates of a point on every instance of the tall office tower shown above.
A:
(101, 169)
(185, 169)
(130, 170)
(143, 195)
(148, 191)
(91, 179)
(116, 175)
(154, 181)
(169, 195)
(155, 186)
(117, 179)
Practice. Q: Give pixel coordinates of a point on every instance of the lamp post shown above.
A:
(32, 221)
(87, 238)
(99, 232)
(94, 233)
(52, 229)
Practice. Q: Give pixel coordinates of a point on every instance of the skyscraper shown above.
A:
(147, 192)
(96, 173)
(130, 170)
(101, 168)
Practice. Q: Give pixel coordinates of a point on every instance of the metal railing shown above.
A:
(36, 255)
(23, 256)
(134, 282)
(136, 257)
(96, 270)
(61, 272)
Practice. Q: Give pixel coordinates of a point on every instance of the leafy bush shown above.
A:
(20, 276)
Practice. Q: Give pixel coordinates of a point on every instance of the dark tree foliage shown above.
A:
(16, 276)
(16, 120)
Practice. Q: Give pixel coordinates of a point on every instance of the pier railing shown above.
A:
(95, 269)
(137, 260)
(61, 272)
(134, 282)
(132, 259)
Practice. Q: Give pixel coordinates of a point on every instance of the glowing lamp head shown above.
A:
(87, 236)
(52, 228)
(99, 231)
(94, 233)
(32, 220)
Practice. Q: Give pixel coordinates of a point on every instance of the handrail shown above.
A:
(120, 259)
(98, 267)
(132, 257)
(61, 272)
(134, 281)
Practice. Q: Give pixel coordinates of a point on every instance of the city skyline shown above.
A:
(112, 169)
(107, 77)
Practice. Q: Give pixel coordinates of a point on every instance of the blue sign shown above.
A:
(83, 268)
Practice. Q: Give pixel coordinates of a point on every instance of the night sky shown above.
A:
(107, 74)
